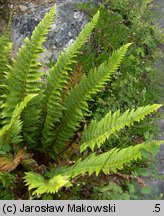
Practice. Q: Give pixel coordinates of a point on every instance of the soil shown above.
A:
(16, 5)
(18, 8)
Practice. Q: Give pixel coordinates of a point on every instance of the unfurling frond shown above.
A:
(75, 103)
(98, 132)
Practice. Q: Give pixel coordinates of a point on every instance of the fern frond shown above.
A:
(41, 185)
(98, 132)
(109, 162)
(5, 47)
(24, 78)
(75, 103)
(10, 133)
(57, 79)
(113, 160)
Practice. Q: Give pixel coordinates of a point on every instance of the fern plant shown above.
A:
(44, 116)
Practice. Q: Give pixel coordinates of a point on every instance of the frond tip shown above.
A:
(57, 79)
(76, 101)
(113, 160)
(98, 132)
(16, 113)
(24, 78)
(41, 185)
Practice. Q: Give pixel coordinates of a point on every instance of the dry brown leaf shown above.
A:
(76, 76)
(130, 177)
(5, 159)
(8, 164)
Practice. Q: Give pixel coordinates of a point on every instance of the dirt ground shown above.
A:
(24, 2)
(17, 4)
(18, 8)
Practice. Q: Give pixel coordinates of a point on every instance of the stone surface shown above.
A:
(68, 23)
(157, 185)
(23, 8)
(160, 65)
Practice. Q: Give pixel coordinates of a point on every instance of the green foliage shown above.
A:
(98, 132)
(121, 22)
(5, 47)
(11, 132)
(34, 180)
(24, 78)
(111, 191)
(6, 182)
(42, 115)
(75, 102)
(6, 179)
(108, 162)
(59, 75)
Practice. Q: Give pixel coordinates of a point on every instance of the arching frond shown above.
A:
(10, 133)
(57, 80)
(97, 132)
(24, 78)
(75, 103)
(109, 162)
(113, 160)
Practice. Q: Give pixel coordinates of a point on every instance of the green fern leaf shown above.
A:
(109, 162)
(57, 80)
(5, 47)
(75, 103)
(10, 133)
(98, 132)
(41, 185)
(24, 78)
(113, 160)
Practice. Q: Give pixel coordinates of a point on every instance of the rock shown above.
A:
(157, 185)
(32, 6)
(23, 8)
(68, 23)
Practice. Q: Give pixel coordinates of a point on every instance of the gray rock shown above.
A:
(157, 185)
(160, 68)
(68, 23)
(23, 8)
